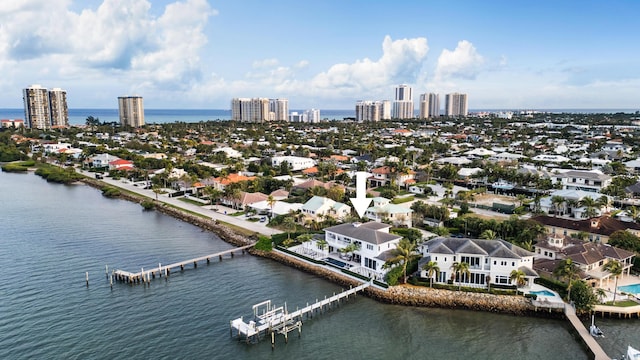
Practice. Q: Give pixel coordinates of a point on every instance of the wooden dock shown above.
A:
(587, 339)
(271, 320)
(146, 275)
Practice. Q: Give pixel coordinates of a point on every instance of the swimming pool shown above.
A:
(542, 293)
(338, 263)
(632, 289)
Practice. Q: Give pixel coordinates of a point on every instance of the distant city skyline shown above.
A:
(199, 54)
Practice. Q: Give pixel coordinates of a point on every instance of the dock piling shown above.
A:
(87, 278)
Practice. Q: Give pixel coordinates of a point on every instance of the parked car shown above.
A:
(263, 219)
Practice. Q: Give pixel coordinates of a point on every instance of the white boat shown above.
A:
(594, 330)
(502, 185)
(632, 354)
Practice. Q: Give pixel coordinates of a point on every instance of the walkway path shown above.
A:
(164, 198)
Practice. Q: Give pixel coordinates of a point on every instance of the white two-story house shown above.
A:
(319, 206)
(490, 261)
(592, 180)
(373, 240)
(384, 210)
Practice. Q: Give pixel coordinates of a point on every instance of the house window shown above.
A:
(501, 279)
(369, 247)
(371, 264)
(513, 263)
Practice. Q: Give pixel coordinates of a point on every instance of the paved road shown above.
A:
(175, 201)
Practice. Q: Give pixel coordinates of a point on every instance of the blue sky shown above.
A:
(323, 54)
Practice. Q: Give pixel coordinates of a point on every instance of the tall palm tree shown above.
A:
(601, 294)
(459, 270)
(322, 244)
(568, 270)
(404, 253)
(519, 278)
(290, 225)
(432, 269)
(615, 268)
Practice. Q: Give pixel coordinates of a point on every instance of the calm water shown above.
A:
(51, 234)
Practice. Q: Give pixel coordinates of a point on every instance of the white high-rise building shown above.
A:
(313, 116)
(429, 105)
(386, 110)
(368, 110)
(456, 105)
(131, 111)
(259, 109)
(37, 110)
(434, 105)
(403, 103)
(59, 109)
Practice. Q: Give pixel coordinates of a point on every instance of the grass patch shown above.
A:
(403, 199)
(189, 201)
(237, 213)
(622, 303)
(237, 229)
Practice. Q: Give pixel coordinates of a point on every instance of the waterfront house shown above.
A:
(120, 164)
(597, 229)
(489, 261)
(296, 163)
(589, 257)
(372, 241)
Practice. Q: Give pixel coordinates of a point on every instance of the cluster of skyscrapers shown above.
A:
(259, 109)
(45, 109)
(403, 106)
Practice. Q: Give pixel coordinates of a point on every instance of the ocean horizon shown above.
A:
(78, 116)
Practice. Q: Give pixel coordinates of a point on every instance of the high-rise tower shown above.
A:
(403, 103)
(37, 110)
(131, 111)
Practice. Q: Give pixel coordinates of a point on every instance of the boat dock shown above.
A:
(271, 320)
(587, 339)
(146, 275)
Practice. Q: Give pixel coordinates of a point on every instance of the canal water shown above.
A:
(52, 234)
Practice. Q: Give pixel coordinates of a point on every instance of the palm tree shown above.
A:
(289, 224)
(590, 206)
(488, 235)
(615, 268)
(404, 253)
(322, 244)
(459, 270)
(568, 270)
(556, 202)
(601, 294)
(432, 269)
(487, 279)
(304, 238)
(519, 278)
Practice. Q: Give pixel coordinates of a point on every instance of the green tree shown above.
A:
(404, 252)
(614, 268)
(289, 225)
(432, 269)
(460, 269)
(567, 270)
(583, 296)
(488, 235)
(625, 240)
(518, 278)
(556, 202)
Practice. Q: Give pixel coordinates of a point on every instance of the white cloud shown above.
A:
(464, 62)
(265, 63)
(116, 41)
(400, 62)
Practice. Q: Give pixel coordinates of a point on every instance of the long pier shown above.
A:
(588, 340)
(271, 320)
(146, 275)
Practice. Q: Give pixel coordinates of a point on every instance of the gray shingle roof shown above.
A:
(494, 248)
(367, 232)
